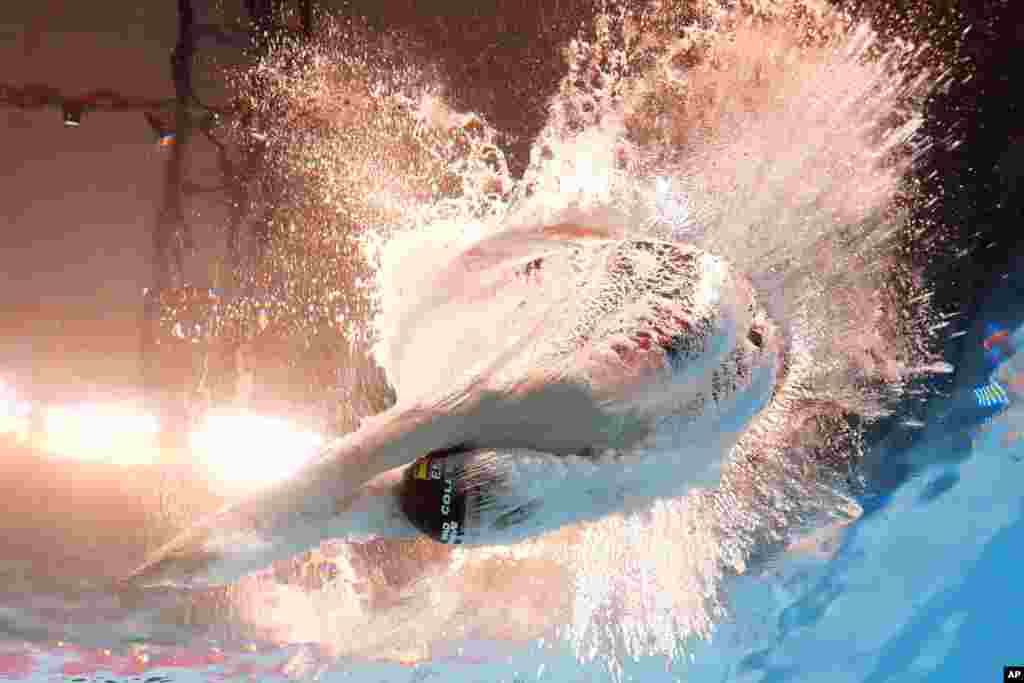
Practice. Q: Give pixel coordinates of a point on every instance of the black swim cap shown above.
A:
(465, 495)
(434, 495)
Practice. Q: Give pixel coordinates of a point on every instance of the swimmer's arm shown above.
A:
(354, 474)
(332, 480)
(392, 439)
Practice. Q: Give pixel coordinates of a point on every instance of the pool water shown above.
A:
(910, 574)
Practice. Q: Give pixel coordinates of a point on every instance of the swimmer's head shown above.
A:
(464, 496)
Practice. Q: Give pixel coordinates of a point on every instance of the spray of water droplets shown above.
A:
(773, 134)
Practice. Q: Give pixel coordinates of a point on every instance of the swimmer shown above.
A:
(1006, 377)
(1009, 370)
(1006, 381)
(966, 418)
(591, 375)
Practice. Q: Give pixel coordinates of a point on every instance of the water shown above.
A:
(772, 159)
(774, 143)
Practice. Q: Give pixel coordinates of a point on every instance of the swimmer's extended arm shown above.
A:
(296, 514)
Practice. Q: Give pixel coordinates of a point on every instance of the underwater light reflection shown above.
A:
(248, 451)
(240, 452)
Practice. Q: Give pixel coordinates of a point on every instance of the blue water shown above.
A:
(927, 585)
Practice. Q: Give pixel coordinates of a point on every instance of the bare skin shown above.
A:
(365, 466)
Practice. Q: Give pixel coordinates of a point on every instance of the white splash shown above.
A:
(779, 155)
